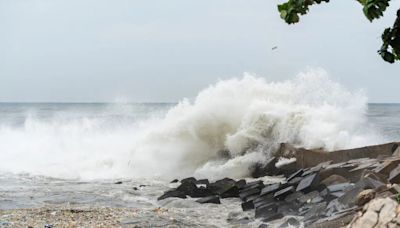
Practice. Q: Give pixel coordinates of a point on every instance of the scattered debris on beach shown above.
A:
(320, 189)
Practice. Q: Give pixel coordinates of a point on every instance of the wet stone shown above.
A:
(231, 192)
(246, 206)
(241, 183)
(270, 189)
(308, 182)
(209, 199)
(172, 193)
(294, 197)
(337, 194)
(281, 194)
(308, 197)
(252, 197)
(288, 169)
(316, 211)
(272, 217)
(339, 187)
(387, 167)
(226, 187)
(255, 184)
(248, 192)
(263, 200)
(290, 222)
(334, 179)
(189, 179)
(265, 169)
(202, 182)
(294, 175)
(295, 181)
(265, 210)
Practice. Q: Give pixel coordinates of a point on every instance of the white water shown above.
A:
(227, 128)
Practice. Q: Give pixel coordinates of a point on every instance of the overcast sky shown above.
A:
(163, 50)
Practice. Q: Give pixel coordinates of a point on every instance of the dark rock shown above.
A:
(264, 169)
(225, 188)
(337, 194)
(288, 209)
(373, 183)
(295, 181)
(334, 179)
(187, 187)
(296, 174)
(246, 206)
(235, 218)
(288, 169)
(135, 188)
(386, 167)
(231, 192)
(339, 187)
(265, 210)
(350, 196)
(272, 188)
(394, 176)
(202, 181)
(281, 194)
(248, 192)
(308, 183)
(252, 197)
(188, 180)
(263, 200)
(118, 182)
(172, 193)
(316, 212)
(174, 181)
(200, 192)
(294, 197)
(191, 189)
(272, 217)
(324, 193)
(241, 183)
(290, 222)
(142, 186)
(255, 184)
(209, 199)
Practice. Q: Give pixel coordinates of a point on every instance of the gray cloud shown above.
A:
(157, 50)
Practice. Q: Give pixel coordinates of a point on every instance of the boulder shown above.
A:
(246, 206)
(225, 188)
(308, 183)
(172, 193)
(264, 169)
(380, 212)
(281, 194)
(365, 196)
(266, 210)
(394, 176)
(209, 199)
(189, 179)
(334, 179)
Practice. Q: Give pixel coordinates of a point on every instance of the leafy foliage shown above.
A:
(291, 10)
(373, 9)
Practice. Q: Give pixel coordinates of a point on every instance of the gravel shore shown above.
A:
(86, 217)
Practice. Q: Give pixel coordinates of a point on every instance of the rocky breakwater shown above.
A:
(320, 188)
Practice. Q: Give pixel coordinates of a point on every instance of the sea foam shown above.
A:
(227, 128)
(235, 123)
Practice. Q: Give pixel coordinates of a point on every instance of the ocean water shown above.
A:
(58, 153)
